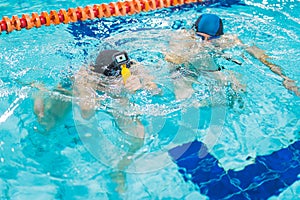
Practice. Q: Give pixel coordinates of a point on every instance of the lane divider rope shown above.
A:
(129, 7)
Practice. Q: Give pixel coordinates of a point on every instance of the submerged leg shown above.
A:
(50, 109)
(135, 134)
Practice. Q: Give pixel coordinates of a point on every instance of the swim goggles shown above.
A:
(119, 59)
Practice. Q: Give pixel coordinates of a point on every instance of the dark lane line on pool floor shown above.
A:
(269, 175)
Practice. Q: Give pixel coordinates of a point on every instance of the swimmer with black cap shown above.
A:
(117, 67)
(112, 72)
(113, 63)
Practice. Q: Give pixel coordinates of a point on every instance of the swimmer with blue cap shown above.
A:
(185, 46)
(209, 26)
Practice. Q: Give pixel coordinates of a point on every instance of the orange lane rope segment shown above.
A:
(87, 13)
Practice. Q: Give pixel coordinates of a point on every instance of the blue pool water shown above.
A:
(241, 148)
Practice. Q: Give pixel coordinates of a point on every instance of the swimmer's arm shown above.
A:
(84, 90)
(260, 54)
(175, 59)
(180, 44)
(62, 90)
(263, 57)
(87, 102)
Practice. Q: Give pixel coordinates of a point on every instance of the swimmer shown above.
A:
(208, 38)
(112, 72)
(51, 107)
(115, 74)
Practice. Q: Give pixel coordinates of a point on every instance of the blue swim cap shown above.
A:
(210, 24)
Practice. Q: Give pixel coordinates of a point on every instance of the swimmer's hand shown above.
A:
(291, 85)
(133, 83)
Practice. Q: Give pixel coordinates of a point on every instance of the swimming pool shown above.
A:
(59, 164)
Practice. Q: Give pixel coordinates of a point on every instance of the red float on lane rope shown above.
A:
(86, 13)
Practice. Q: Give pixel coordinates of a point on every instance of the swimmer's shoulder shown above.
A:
(181, 34)
(229, 40)
(85, 77)
(136, 67)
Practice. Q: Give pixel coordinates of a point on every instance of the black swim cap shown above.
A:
(210, 24)
(109, 62)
